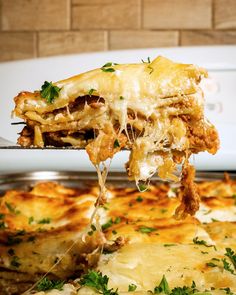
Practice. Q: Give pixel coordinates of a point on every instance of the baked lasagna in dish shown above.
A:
(154, 109)
(139, 249)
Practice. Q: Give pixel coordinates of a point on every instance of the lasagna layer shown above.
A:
(155, 109)
(141, 240)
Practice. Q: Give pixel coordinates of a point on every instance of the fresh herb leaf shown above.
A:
(2, 225)
(15, 261)
(163, 287)
(148, 60)
(139, 199)
(44, 221)
(231, 255)
(49, 91)
(46, 284)
(98, 282)
(211, 264)
(122, 97)
(227, 291)
(108, 67)
(142, 187)
(93, 227)
(201, 242)
(146, 229)
(2, 216)
(90, 93)
(116, 143)
(114, 232)
(132, 287)
(11, 208)
(117, 220)
(227, 266)
(108, 224)
(30, 220)
(169, 245)
(204, 252)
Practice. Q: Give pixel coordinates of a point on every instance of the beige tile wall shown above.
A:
(33, 28)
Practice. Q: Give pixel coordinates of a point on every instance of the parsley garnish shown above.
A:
(146, 229)
(139, 199)
(148, 60)
(116, 143)
(30, 220)
(122, 97)
(108, 67)
(49, 91)
(163, 287)
(98, 282)
(46, 284)
(44, 221)
(132, 287)
(2, 225)
(232, 256)
(227, 290)
(201, 242)
(90, 93)
(2, 216)
(227, 266)
(110, 222)
(142, 187)
(11, 208)
(211, 264)
(15, 261)
(169, 245)
(114, 232)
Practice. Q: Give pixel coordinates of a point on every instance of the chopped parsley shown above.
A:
(93, 229)
(11, 208)
(30, 220)
(90, 93)
(227, 291)
(231, 255)
(148, 60)
(114, 232)
(211, 264)
(108, 67)
(142, 187)
(163, 287)
(98, 282)
(122, 97)
(139, 199)
(201, 242)
(116, 143)
(2, 216)
(227, 266)
(15, 261)
(110, 222)
(2, 225)
(46, 284)
(44, 220)
(169, 245)
(132, 287)
(146, 229)
(49, 91)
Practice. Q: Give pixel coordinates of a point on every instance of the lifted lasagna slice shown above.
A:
(155, 109)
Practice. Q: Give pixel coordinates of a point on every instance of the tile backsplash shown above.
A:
(35, 28)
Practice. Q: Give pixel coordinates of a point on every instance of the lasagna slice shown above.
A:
(154, 109)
